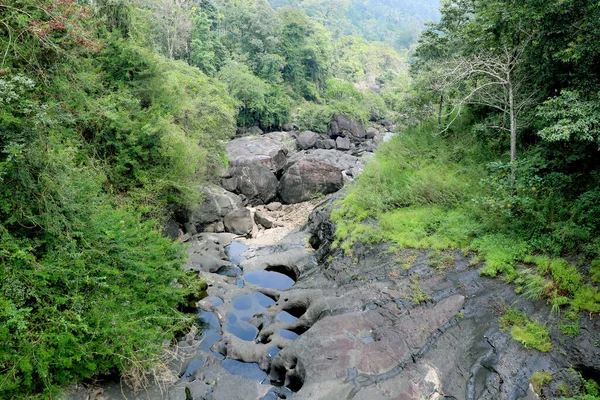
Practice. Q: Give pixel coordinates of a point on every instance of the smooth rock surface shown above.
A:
(305, 179)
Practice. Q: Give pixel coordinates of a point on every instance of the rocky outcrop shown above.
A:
(255, 181)
(217, 203)
(305, 179)
(267, 150)
(345, 127)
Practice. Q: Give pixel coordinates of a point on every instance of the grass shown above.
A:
(529, 333)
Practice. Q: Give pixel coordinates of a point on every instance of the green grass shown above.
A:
(529, 333)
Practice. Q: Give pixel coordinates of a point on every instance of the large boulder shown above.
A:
(239, 222)
(305, 179)
(344, 126)
(217, 203)
(338, 159)
(307, 140)
(267, 150)
(254, 181)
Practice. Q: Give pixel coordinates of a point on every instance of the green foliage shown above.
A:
(540, 379)
(529, 333)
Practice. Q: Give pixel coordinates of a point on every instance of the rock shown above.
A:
(239, 222)
(325, 144)
(229, 184)
(305, 179)
(256, 182)
(267, 150)
(342, 161)
(388, 136)
(342, 143)
(255, 130)
(275, 206)
(307, 140)
(171, 229)
(343, 126)
(263, 219)
(217, 203)
(371, 133)
(287, 127)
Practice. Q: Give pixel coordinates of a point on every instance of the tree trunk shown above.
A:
(441, 108)
(513, 124)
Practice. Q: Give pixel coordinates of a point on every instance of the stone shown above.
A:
(305, 179)
(255, 181)
(264, 220)
(239, 222)
(255, 130)
(371, 133)
(267, 150)
(275, 206)
(338, 159)
(344, 126)
(342, 143)
(326, 144)
(171, 229)
(307, 140)
(217, 203)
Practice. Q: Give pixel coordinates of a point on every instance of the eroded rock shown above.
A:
(306, 179)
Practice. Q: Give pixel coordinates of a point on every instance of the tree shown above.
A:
(496, 81)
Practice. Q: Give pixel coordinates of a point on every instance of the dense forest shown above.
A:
(113, 114)
(397, 23)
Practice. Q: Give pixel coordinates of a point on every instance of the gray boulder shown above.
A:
(254, 181)
(371, 133)
(343, 126)
(239, 222)
(305, 179)
(307, 140)
(264, 220)
(217, 203)
(255, 130)
(341, 160)
(342, 143)
(325, 144)
(267, 150)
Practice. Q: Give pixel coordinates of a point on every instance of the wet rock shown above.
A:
(306, 179)
(217, 203)
(239, 222)
(307, 140)
(256, 182)
(264, 220)
(344, 126)
(342, 143)
(326, 144)
(267, 150)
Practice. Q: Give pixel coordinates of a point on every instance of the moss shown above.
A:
(529, 333)
(540, 379)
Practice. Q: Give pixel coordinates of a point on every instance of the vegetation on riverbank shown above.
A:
(515, 182)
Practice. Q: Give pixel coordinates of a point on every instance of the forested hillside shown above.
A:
(397, 23)
(113, 114)
(505, 160)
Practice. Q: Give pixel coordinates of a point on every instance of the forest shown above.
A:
(113, 113)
